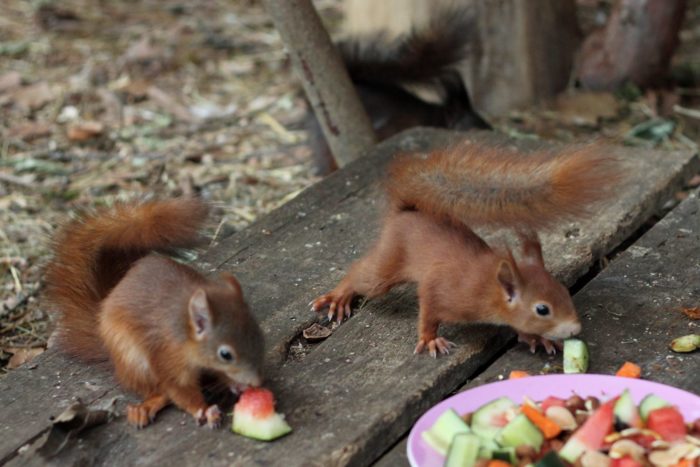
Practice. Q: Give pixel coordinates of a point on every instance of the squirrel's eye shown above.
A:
(542, 309)
(225, 354)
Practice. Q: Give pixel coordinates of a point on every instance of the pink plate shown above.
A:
(537, 388)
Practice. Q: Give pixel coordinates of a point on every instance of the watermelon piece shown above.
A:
(668, 423)
(550, 402)
(488, 419)
(591, 435)
(649, 403)
(254, 416)
(626, 413)
(626, 461)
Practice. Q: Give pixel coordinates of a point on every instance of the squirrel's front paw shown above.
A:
(533, 341)
(338, 305)
(439, 344)
(211, 416)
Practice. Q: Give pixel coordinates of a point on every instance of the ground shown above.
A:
(106, 100)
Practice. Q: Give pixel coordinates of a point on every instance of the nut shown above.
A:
(562, 417)
(671, 456)
(626, 447)
(595, 459)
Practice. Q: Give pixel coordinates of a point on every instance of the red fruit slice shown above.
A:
(668, 423)
(550, 402)
(626, 461)
(258, 402)
(591, 434)
(254, 416)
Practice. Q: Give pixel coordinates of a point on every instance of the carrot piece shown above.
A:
(629, 370)
(517, 374)
(548, 427)
(683, 463)
(498, 463)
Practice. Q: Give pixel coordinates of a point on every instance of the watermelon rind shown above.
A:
(261, 428)
(649, 403)
(626, 413)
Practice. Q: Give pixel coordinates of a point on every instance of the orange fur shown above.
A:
(161, 323)
(427, 238)
(475, 184)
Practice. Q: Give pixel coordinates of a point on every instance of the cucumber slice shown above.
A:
(440, 435)
(626, 413)
(649, 404)
(490, 418)
(575, 356)
(521, 431)
(505, 454)
(551, 459)
(463, 451)
(487, 447)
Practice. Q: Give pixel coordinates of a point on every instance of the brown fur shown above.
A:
(458, 279)
(426, 237)
(118, 299)
(474, 184)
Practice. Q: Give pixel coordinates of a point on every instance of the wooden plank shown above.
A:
(352, 396)
(632, 311)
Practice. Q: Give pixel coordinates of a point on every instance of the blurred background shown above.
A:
(109, 99)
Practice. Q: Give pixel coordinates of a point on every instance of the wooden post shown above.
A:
(343, 119)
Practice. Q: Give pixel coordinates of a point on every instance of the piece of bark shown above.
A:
(635, 46)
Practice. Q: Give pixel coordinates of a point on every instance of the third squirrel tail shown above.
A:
(474, 184)
(92, 253)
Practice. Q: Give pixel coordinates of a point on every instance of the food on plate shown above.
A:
(558, 432)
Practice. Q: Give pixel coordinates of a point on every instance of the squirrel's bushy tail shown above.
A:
(422, 55)
(93, 252)
(475, 184)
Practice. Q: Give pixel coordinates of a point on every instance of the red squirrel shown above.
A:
(427, 238)
(161, 324)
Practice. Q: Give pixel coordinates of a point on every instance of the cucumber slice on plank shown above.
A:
(575, 356)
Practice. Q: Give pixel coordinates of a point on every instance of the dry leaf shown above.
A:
(692, 313)
(68, 424)
(85, 130)
(34, 96)
(10, 80)
(316, 332)
(21, 356)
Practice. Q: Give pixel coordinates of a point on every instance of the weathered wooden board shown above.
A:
(632, 311)
(352, 396)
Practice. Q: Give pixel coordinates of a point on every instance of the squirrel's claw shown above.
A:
(439, 344)
(339, 305)
(533, 341)
(213, 416)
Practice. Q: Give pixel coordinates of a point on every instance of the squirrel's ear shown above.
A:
(200, 314)
(507, 277)
(531, 248)
(232, 282)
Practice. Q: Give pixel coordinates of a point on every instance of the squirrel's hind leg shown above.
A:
(370, 276)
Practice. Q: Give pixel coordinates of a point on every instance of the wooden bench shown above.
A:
(352, 397)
